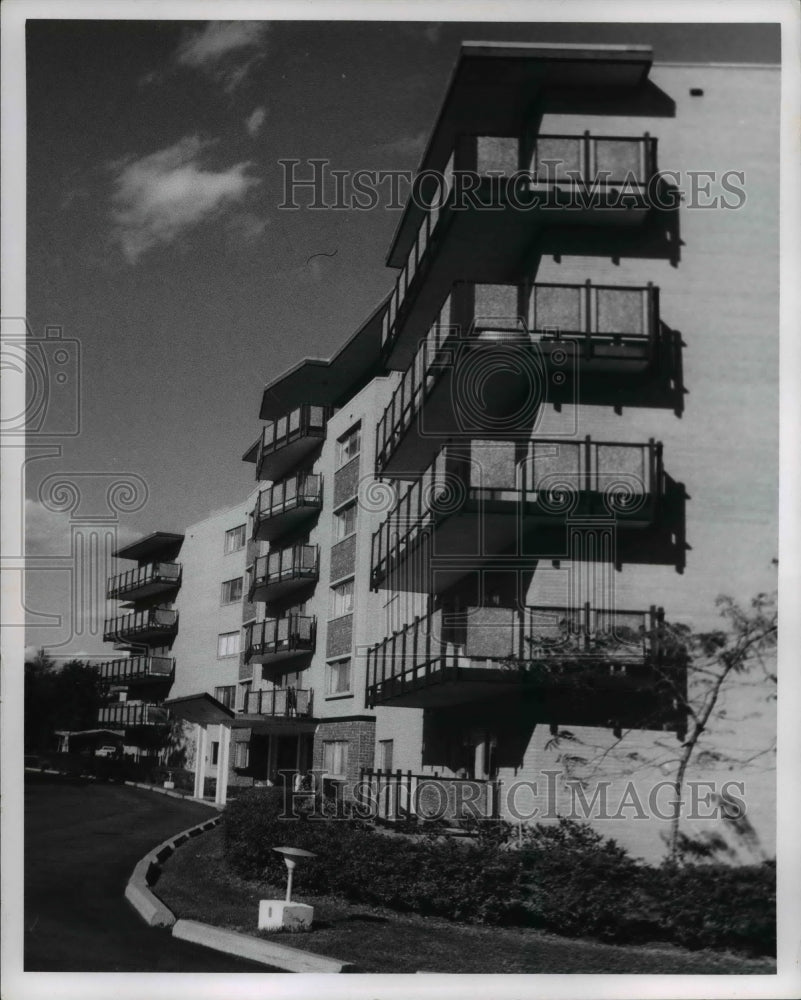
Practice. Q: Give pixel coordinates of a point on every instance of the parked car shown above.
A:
(106, 751)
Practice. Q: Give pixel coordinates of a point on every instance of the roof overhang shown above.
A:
(494, 85)
(199, 708)
(154, 544)
(322, 382)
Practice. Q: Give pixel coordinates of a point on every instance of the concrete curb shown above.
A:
(155, 913)
(279, 956)
(149, 907)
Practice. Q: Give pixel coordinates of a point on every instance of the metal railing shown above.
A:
(401, 796)
(133, 668)
(307, 420)
(449, 644)
(293, 633)
(152, 620)
(284, 702)
(126, 713)
(595, 316)
(303, 490)
(296, 562)
(555, 479)
(580, 160)
(133, 579)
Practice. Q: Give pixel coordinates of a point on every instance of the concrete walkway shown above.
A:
(82, 839)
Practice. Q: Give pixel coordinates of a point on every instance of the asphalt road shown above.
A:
(82, 841)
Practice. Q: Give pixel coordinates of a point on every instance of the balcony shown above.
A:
(279, 639)
(287, 703)
(287, 505)
(495, 352)
(144, 581)
(133, 713)
(581, 664)
(289, 440)
(508, 200)
(153, 627)
(282, 573)
(503, 504)
(137, 669)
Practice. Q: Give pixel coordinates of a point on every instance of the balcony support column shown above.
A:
(221, 793)
(201, 747)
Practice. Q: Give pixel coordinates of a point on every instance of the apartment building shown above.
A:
(558, 430)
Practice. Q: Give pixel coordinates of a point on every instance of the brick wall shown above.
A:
(360, 735)
(343, 558)
(340, 636)
(346, 481)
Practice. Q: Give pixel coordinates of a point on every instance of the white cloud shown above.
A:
(159, 197)
(49, 532)
(254, 122)
(224, 50)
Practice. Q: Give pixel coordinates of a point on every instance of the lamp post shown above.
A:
(283, 914)
(292, 855)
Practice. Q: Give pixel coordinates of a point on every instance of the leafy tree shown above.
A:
(692, 673)
(66, 697)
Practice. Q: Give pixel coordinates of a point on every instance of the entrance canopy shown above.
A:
(202, 709)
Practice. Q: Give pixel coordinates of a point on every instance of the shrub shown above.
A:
(564, 878)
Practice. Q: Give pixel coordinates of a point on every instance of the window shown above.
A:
(385, 748)
(348, 447)
(335, 758)
(342, 599)
(228, 644)
(345, 522)
(339, 677)
(242, 694)
(215, 752)
(231, 591)
(235, 539)
(241, 755)
(226, 695)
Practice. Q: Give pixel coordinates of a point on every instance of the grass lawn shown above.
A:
(197, 884)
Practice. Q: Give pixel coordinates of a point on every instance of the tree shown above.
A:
(693, 673)
(66, 697)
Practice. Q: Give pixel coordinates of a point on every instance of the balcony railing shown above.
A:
(155, 625)
(131, 669)
(556, 479)
(605, 328)
(482, 644)
(590, 169)
(288, 440)
(285, 703)
(286, 504)
(143, 581)
(127, 713)
(278, 639)
(400, 796)
(282, 572)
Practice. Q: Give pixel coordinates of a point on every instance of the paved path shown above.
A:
(81, 842)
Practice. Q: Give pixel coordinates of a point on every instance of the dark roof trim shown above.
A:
(150, 545)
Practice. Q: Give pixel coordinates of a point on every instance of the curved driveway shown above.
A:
(82, 841)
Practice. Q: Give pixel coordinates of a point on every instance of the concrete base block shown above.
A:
(278, 915)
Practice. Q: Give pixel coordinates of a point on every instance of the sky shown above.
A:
(156, 246)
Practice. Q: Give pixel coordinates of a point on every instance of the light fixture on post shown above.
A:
(283, 914)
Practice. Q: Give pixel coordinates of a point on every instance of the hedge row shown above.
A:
(564, 878)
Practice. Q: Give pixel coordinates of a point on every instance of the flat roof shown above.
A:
(327, 382)
(200, 708)
(492, 88)
(150, 545)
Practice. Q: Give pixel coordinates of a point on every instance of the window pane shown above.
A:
(232, 590)
(235, 538)
(339, 677)
(228, 644)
